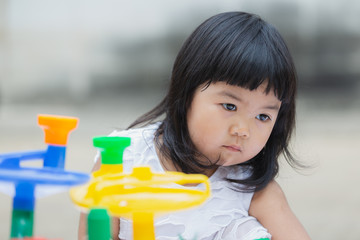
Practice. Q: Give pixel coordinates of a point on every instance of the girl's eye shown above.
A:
(229, 106)
(263, 117)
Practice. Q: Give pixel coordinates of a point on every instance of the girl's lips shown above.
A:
(233, 148)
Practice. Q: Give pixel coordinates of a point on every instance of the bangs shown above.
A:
(250, 57)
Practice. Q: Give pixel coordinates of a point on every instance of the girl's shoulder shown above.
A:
(148, 130)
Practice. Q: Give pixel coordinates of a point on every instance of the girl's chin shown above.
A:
(228, 163)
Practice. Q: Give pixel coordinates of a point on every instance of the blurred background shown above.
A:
(108, 61)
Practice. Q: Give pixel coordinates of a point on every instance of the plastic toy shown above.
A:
(99, 227)
(111, 150)
(140, 195)
(25, 184)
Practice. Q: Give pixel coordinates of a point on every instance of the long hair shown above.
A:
(240, 49)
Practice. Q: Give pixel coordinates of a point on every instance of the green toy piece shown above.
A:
(111, 148)
(99, 224)
(22, 223)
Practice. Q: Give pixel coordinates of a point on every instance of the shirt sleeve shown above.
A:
(249, 229)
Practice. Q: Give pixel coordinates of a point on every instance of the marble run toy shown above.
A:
(140, 195)
(99, 227)
(25, 184)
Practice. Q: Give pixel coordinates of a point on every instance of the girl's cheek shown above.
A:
(265, 129)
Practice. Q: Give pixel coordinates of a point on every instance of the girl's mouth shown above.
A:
(233, 148)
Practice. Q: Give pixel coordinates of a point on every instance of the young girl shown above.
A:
(229, 114)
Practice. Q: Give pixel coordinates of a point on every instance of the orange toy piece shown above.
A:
(57, 128)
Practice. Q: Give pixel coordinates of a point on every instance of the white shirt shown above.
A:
(223, 216)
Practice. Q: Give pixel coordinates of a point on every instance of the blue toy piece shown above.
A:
(26, 184)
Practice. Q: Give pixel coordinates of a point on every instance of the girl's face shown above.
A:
(230, 123)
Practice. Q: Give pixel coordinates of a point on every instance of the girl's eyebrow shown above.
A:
(272, 107)
(230, 95)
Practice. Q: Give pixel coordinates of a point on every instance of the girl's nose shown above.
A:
(240, 130)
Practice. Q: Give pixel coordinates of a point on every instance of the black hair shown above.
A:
(243, 50)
